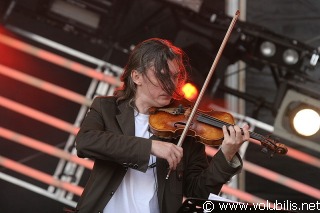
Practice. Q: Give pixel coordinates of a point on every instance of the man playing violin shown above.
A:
(131, 164)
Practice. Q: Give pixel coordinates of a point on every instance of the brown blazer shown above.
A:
(107, 136)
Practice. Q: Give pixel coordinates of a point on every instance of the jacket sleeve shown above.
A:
(100, 137)
(202, 178)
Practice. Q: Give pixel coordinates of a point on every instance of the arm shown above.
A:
(202, 179)
(100, 137)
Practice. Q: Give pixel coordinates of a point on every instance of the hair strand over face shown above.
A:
(155, 53)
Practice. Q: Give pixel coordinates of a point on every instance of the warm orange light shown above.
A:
(190, 91)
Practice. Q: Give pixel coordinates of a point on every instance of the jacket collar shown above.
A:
(126, 118)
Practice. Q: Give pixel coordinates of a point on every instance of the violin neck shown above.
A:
(266, 142)
(219, 124)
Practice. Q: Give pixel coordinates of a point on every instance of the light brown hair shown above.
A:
(154, 52)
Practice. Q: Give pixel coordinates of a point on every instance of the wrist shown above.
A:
(227, 155)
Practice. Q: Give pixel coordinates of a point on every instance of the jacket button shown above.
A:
(130, 165)
(112, 193)
(125, 165)
(135, 166)
(180, 175)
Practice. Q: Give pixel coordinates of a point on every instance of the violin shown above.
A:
(205, 127)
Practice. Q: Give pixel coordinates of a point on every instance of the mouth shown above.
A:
(166, 96)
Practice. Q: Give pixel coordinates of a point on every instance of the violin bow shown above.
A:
(205, 85)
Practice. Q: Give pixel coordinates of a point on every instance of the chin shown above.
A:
(163, 101)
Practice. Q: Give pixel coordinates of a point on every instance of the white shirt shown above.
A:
(138, 191)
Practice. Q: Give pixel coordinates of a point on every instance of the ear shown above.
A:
(136, 77)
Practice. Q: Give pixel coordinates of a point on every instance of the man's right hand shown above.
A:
(171, 152)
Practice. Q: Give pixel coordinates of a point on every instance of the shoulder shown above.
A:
(110, 100)
(101, 102)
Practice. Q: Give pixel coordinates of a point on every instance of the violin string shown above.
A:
(212, 119)
(218, 123)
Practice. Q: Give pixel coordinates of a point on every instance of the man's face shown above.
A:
(150, 90)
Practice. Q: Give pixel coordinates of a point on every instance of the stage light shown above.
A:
(268, 49)
(314, 59)
(306, 121)
(298, 119)
(76, 12)
(290, 56)
(259, 47)
(190, 91)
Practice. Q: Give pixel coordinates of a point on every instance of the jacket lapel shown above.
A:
(162, 169)
(126, 122)
(126, 118)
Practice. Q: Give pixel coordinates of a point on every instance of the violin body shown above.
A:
(166, 124)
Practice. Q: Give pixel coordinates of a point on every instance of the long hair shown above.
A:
(154, 52)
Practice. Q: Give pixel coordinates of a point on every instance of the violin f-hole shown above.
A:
(180, 123)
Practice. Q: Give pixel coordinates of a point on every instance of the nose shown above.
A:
(174, 80)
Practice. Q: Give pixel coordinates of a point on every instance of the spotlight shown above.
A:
(314, 59)
(298, 120)
(190, 91)
(305, 120)
(290, 56)
(268, 49)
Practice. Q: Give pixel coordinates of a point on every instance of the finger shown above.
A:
(246, 132)
(170, 162)
(246, 126)
(225, 131)
(178, 158)
(178, 151)
(237, 129)
(238, 134)
(174, 162)
(232, 132)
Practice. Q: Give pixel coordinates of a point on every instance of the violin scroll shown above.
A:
(281, 149)
(273, 145)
